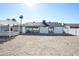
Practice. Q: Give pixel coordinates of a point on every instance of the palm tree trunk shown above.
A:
(21, 26)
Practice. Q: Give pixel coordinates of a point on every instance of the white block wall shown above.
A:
(73, 31)
(77, 32)
(58, 30)
(44, 30)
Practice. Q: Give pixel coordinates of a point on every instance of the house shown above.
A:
(9, 28)
(42, 27)
(12, 28)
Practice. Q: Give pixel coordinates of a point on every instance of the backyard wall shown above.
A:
(73, 31)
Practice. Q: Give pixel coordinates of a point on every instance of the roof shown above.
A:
(5, 22)
(34, 24)
(40, 24)
(72, 25)
(56, 24)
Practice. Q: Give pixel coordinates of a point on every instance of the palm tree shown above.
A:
(21, 17)
(13, 20)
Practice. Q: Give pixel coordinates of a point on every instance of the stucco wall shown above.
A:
(58, 30)
(73, 31)
(23, 30)
(44, 30)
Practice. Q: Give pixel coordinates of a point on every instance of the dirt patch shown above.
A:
(24, 45)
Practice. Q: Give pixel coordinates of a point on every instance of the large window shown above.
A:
(36, 30)
(32, 30)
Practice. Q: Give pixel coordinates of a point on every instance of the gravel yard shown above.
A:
(29, 45)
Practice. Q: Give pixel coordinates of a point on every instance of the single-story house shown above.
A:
(9, 28)
(42, 27)
(12, 28)
(50, 28)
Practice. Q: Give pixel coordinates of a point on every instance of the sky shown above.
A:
(51, 12)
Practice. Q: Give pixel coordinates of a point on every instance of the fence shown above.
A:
(7, 33)
(72, 31)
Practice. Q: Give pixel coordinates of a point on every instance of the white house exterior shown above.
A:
(9, 28)
(43, 28)
(50, 28)
(58, 30)
(12, 28)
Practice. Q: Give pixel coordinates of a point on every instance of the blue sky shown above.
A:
(67, 13)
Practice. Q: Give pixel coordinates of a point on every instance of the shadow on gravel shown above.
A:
(34, 34)
(4, 39)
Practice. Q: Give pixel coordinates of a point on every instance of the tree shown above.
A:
(11, 19)
(8, 19)
(21, 17)
(14, 19)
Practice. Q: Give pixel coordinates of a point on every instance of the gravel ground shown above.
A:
(28, 45)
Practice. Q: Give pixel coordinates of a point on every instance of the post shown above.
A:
(19, 28)
(9, 31)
